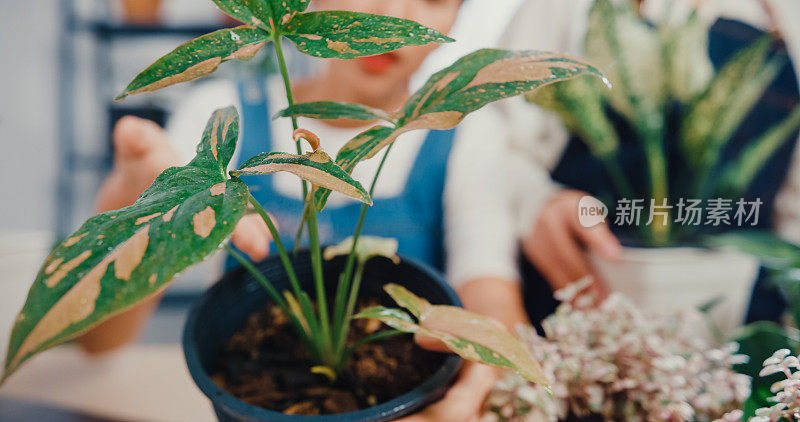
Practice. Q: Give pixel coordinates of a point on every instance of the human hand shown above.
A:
(141, 152)
(463, 402)
(558, 245)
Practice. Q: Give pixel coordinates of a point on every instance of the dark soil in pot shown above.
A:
(227, 310)
(265, 364)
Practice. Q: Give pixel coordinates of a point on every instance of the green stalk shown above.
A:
(658, 181)
(617, 176)
(351, 300)
(273, 293)
(287, 265)
(319, 282)
(339, 324)
(316, 260)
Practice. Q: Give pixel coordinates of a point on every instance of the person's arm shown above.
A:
(479, 221)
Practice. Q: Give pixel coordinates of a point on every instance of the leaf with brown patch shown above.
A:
(474, 337)
(119, 258)
(448, 96)
(316, 167)
(347, 35)
(198, 58)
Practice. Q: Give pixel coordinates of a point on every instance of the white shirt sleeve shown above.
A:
(479, 221)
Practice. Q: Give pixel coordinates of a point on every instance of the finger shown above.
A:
(599, 239)
(546, 262)
(134, 138)
(252, 237)
(570, 258)
(464, 400)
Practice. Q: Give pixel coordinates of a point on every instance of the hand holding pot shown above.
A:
(464, 400)
(558, 245)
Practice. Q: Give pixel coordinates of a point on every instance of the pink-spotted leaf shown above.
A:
(472, 336)
(198, 58)
(347, 35)
(119, 258)
(477, 79)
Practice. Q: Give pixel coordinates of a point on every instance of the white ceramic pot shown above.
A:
(683, 277)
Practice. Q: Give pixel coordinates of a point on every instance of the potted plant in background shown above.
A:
(119, 258)
(682, 115)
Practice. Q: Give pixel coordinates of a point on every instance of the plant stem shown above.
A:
(345, 278)
(319, 282)
(658, 181)
(258, 276)
(618, 177)
(287, 265)
(273, 293)
(351, 300)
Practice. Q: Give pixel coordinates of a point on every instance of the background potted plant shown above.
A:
(668, 97)
(119, 258)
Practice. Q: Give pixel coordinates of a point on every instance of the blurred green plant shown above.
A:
(657, 71)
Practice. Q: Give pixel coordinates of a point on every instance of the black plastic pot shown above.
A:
(225, 307)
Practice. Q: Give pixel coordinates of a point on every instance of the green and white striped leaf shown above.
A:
(738, 174)
(712, 117)
(198, 58)
(316, 167)
(347, 35)
(472, 336)
(477, 79)
(689, 69)
(332, 110)
(624, 47)
(119, 258)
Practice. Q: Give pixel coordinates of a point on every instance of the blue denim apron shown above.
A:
(579, 169)
(414, 217)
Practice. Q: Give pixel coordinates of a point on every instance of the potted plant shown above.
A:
(122, 257)
(682, 115)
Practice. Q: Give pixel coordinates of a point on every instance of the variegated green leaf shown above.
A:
(316, 167)
(347, 35)
(473, 336)
(713, 117)
(198, 58)
(470, 83)
(738, 174)
(122, 257)
(415, 304)
(332, 110)
(624, 47)
(280, 12)
(239, 11)
(394, 318)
